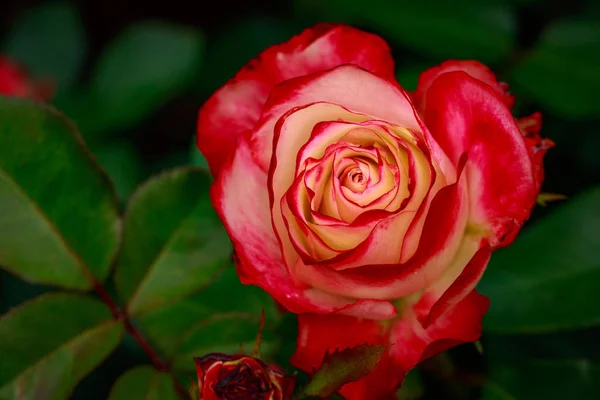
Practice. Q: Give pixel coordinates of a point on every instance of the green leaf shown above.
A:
(412, 387)
(561, 73)
(14, 291)
(548, 279)
(343, 366)
(52, 342)
(544, 379)
(145, 67)
(50, 41)
(173, 241)
(143, 383)
(58, 214)
(225, 302)
(518, 366)
(431, 27)
(123, 164)
(578, 344)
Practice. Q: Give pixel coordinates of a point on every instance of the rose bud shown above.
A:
(232, 377)
(370, 211)
(14, 81)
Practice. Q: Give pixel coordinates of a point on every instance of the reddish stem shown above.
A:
(159, 364)
(121, 315)
(114, 308)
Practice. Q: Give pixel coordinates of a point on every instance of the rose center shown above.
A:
(355, 177)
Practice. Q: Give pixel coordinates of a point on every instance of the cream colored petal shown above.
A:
(294, 132)
(350, 87)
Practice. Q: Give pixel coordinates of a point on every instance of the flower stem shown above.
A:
(121, 315)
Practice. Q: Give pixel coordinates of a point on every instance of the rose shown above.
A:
(14, 81)
(228, 377)
(345, 195)
(370, 208)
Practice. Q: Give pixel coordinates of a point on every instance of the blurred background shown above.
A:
(133, 74)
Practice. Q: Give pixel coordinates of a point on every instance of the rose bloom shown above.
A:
(229, 377)
(14, 81)
(370, 211)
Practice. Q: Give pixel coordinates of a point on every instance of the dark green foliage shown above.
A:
(145, 281)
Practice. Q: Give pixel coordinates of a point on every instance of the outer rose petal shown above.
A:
(459, 288)
(240, 199)
(410, 343)
(474, 68)
(467, 116)
(236, 107)
(457, 325)
(211, 376)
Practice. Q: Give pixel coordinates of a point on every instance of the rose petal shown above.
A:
(296, 122)
(240, 199)
(334, 237)
(315, 336)
(348, 86)
(359, 275)
(236, 107)
(474, 68)
(317, 196)
(345, 141)
(455, 288)
(211, 377)
(466, 116)
(295, 129)
(462, 323)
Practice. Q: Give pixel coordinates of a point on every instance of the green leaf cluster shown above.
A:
(167, 256)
